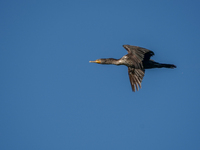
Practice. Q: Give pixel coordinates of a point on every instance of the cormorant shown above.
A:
(137, 60)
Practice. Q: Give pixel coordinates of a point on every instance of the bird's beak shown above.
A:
(96, 61)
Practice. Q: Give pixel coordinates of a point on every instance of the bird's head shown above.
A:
(96, 61)
(102, 61)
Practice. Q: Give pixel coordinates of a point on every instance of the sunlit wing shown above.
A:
(138, 54)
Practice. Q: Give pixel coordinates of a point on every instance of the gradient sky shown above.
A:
(53, 98)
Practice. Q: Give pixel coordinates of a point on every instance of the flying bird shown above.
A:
(137, 60)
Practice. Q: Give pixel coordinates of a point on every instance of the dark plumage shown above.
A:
(137, 60)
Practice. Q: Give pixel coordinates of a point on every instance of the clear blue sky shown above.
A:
(53, 98)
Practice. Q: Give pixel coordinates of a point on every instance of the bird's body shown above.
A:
(137, 60)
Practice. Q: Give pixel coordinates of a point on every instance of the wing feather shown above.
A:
(135, 76)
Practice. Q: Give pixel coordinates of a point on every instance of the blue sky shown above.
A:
(53, 98)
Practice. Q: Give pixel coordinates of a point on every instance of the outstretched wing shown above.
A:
(138, 54)
(135, 76)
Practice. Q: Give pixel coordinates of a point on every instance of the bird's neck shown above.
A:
(112, 61)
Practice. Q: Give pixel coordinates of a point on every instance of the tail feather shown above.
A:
(166, 66)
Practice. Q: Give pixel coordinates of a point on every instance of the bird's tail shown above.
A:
(166, 66)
